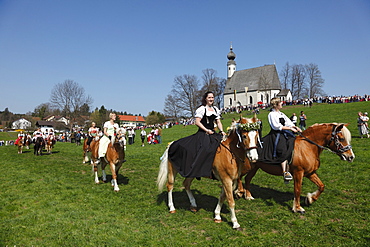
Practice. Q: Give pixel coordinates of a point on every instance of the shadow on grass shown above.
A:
(120, 179)
(267, 194)
(181, 201)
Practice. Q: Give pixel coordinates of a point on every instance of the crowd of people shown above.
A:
(308, 102)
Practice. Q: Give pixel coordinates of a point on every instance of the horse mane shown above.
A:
(345, 131)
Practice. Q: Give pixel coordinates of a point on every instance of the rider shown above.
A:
(93, 133)
(36, 134)
(279, 143)
(192, 156)
(109, 129)
(20, 137)
(51, 136)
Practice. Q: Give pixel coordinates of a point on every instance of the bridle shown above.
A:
(246, 127)
(334, 138)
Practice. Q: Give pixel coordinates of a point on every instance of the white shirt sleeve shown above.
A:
(200, 112)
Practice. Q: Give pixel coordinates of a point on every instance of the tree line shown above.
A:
(187, 90)
(68, 98)
(304, 81)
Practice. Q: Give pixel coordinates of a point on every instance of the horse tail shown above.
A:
(163, 170)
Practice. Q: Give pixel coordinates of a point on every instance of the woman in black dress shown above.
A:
(279, 143)
(193, 156)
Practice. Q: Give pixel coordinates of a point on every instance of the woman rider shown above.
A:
(279, 143)
(193, 156)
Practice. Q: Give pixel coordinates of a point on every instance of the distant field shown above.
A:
(52, 200)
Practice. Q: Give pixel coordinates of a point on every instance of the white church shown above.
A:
(253, 86)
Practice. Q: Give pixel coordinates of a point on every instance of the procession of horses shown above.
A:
(236, 157)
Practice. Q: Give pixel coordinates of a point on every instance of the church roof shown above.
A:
(260, 78)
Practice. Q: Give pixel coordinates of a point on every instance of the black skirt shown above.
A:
(284, 147)
(193, 156)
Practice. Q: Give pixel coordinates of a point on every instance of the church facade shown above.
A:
(251, 87)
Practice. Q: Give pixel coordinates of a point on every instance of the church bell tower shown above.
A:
(231, 65)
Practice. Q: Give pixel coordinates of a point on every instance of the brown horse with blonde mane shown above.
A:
(115, 156)
(308, 146)
(227, 165)
(20, 144)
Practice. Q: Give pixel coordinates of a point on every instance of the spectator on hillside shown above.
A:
(362, 123)
(302, 121)
(294, 118)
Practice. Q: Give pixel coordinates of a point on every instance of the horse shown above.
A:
(87, 149)
(241, 141)
(28, 142)
(39, 143)
(308, 146)
(49, 144)
(20, 143)
(115, 156)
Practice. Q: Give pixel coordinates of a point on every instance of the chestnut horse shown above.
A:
(306, 160)
(229, 159)
(49, 144)
(20, 144)
(114, 156)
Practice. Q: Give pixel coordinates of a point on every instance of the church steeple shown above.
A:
(231, 65)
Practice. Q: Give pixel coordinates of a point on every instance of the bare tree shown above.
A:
(171, 109)
(185, 93)
(214, 84)
(284, 75)
(314, 80)
(298, 81)
(69, 97)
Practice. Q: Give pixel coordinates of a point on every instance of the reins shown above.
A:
(333, 138)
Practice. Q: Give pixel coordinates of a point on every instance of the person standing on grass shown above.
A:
(362, 123)
(302, 121)
(142, 136)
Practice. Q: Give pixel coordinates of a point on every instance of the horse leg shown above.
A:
(248, 179)
(240, 191)
(187, 184)
(312, 197)
(227, 192)
(298, 177)
(170, 182)
(114, 176)
(94, 165)
(220, 202)
(103, 164)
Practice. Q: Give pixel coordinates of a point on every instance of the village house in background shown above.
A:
(21, 124)
(250, 87)
(131, 121)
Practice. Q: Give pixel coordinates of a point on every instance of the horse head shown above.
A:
(246, 129)
(340, 142)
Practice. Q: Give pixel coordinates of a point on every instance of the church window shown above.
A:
(251, 100)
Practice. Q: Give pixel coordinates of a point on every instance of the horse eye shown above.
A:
(341, 139)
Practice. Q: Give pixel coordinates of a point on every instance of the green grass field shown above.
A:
(51, 200)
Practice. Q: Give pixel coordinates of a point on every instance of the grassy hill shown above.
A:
(52, 200)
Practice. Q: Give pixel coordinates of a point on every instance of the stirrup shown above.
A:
(288, 176)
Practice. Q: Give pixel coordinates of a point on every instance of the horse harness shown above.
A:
(240, 141)
(334, 137)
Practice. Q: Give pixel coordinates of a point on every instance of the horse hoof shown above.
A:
(172, 211)
(239, 229)
(193, 209)
(217, 221)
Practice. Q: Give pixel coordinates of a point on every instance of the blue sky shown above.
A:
(125, 54)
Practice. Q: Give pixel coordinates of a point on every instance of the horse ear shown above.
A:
(255, 116)
(339, 127)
